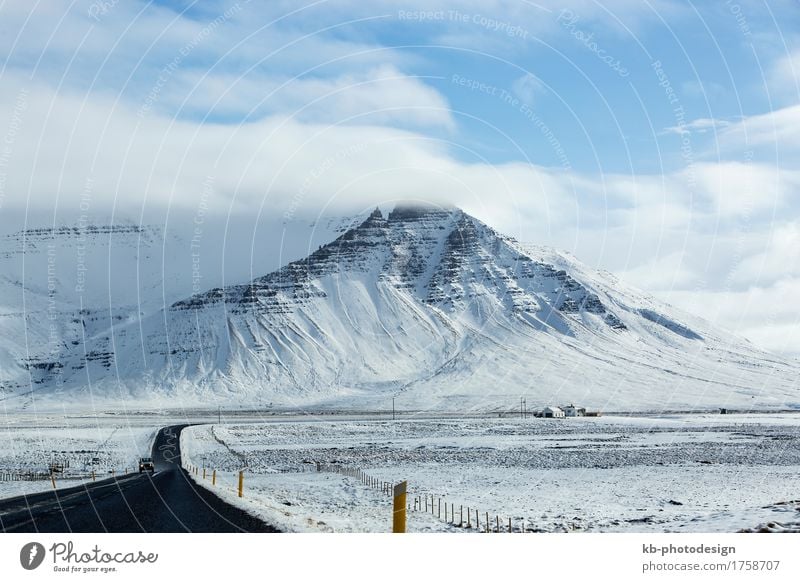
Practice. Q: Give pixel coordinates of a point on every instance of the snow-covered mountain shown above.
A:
(425, 305)
(61, 284)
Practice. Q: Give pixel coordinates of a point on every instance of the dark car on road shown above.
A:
(146, 464)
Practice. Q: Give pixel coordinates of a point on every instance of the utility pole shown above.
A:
(393, 415)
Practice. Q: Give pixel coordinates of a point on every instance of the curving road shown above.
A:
(166, 501)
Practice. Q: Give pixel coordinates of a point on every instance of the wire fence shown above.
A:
(26, 476)
(456, 516)
(61, 476)
(467, 517)
(369, 481)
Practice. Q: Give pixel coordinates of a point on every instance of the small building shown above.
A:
(573, 410)
(552, 412)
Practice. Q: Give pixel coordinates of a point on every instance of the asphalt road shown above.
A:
(165, 501)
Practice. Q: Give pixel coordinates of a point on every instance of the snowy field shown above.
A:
(692, 473)
(30, 443)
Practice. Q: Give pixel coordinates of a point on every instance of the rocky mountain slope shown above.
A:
(425, 305)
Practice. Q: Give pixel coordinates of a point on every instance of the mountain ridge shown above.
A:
(431, 305)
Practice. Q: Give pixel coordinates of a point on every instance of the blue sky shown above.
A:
(657, 139)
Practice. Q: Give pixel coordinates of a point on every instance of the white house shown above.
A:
(552, 412)
(573, 410)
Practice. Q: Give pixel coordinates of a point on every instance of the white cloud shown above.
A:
(783, 78)
(527, 88)
(743, 189)
(773, 260)
(379, 95)
(697, 126)
(774, 133)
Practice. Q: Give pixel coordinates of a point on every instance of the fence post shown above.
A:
(204, 473)
(497, 519)
(461, 516)
(214, 477)
(92, 474)
(241, 482)
(439, 512)
(53, 480)
(509, 525)
(469, 518)
(399, 513)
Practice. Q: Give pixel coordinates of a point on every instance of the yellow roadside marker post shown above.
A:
(214, 477)
(241, 482)
(399, 514)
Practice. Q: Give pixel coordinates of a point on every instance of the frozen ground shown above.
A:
(692, 473)
(29, 443)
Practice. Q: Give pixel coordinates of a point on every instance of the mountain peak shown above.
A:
(375, 219)
(415, 210)
(430, 303)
